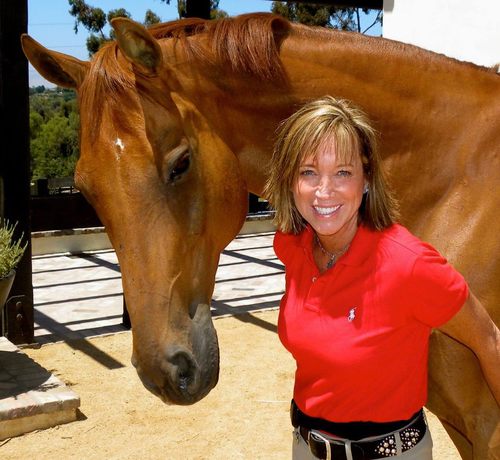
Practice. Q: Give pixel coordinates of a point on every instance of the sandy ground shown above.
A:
(244, 417)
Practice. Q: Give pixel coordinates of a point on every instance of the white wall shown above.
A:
(468, 30)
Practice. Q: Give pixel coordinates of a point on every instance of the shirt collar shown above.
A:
(360, 249)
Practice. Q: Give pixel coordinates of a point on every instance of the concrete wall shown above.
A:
(96, 239)
(467, 30)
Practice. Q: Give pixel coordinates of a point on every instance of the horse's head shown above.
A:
(170, 194)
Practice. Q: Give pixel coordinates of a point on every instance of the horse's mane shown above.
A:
(248, 43)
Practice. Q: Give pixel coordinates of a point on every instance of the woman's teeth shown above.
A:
(326, 211)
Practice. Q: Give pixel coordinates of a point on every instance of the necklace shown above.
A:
(332, 255)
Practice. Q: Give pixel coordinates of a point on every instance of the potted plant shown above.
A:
(10, 253)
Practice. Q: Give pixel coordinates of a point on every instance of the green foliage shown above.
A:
(325, 16)
(36, 123)
(151, 18)
(118, 13)
(95, 19)
(10, 251)
(309, 14)
(36, 89)
(94, 43)
(54, 123)
(54, 151)
(215, 12)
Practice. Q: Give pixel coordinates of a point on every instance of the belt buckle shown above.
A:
(315, 439)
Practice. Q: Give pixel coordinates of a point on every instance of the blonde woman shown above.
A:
(362, 294)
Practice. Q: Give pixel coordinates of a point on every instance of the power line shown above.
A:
(64, 46)
(50, 24)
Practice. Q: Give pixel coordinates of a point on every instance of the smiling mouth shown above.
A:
(323, 211)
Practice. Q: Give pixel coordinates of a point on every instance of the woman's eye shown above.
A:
(344, 173)
(179, 167)
(307, 172)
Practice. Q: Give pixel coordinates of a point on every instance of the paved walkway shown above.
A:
(80, 296)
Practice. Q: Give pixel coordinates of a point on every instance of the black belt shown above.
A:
(382, 447)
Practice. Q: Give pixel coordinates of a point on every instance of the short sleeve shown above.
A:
(437, 291)
(284, 246)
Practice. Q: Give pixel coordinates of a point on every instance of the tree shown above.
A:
(151, 18)
(53, 133)
(308, 14)
(334, 17)
(54, 150)
(36, 89)
(95, 19)
(36, 123)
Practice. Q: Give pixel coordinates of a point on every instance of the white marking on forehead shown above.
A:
(120, 147)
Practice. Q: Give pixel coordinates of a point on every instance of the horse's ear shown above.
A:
(138, 45)
(61, 69)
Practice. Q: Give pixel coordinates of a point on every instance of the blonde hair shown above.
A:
(324, 120)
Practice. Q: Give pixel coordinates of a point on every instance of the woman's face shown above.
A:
(328, 194)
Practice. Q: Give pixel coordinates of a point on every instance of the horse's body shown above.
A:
(171, 143)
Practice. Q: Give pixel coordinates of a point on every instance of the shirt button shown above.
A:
(314, 278)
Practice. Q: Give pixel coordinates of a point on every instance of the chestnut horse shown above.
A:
(177, 124)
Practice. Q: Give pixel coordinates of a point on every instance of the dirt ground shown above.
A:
(244, 417)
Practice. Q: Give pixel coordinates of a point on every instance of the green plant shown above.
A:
(10, 251)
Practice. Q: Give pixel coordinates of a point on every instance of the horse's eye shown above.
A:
(180, 166)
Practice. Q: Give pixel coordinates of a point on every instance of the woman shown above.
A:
(362, 294)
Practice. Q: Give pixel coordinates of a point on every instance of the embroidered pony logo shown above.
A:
(352, 314)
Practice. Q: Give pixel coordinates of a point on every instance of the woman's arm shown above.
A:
(473, 327)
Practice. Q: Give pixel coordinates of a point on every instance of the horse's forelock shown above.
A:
(106, 80)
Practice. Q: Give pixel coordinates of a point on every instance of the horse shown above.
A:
(177, 125)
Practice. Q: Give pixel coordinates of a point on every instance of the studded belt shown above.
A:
(323, 446)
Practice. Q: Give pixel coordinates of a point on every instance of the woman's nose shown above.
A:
(326, 187)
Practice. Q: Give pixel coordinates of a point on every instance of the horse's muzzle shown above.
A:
(187, 375)
(186, 381)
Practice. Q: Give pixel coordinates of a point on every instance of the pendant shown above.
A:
(352, 314)
(331, 262)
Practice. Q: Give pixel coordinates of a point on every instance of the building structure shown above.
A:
(461, 29)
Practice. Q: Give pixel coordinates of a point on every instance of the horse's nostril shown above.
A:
(183, 371)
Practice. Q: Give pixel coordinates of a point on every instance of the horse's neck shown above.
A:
(398, 85)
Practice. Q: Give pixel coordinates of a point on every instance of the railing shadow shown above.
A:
(248, 265)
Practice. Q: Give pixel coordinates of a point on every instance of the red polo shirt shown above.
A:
(359, 332)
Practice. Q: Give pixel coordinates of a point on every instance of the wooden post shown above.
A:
(15, 161)
(198, 9)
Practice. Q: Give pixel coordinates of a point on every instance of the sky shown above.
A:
(50, 23)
